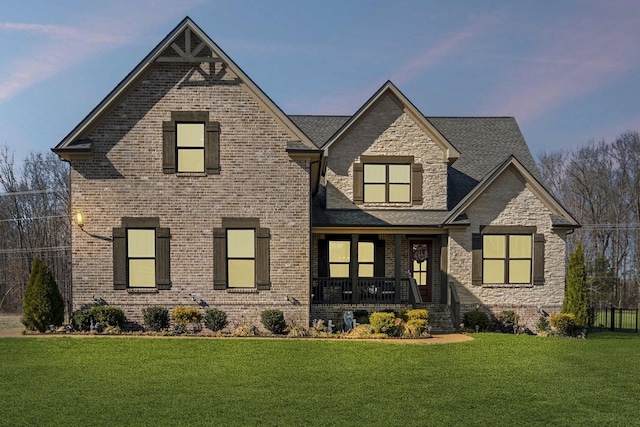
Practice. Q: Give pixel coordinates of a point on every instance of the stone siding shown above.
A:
(508, 202)
(386, 130)
(125, 178)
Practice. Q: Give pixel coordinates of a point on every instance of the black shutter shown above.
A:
(119, 258)
(219, 259)
(476, 259)
(212, 148)
(168, 147)
(538, 259)
(416, 184)
(379, 257)
(323, 258)
(163, 258)
(358, 183)
(262, 259)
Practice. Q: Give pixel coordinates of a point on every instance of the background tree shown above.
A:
(598, 183)
(43, 304)
(576, 297)
(34, 219)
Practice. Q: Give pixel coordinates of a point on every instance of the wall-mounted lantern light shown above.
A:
(80, 219)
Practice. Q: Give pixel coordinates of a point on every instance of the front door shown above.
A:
(421, 256)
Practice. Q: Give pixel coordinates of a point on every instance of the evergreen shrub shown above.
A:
(104, 315)
(274, 321)
(215, 319)
(476, 317)
(156, 318)
(43, 303)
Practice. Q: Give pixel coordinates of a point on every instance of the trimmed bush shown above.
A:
(43, 303)
(415, 327)
(506, 320)
(576, 293)
(156, 318)
(215, 319)
(274, 321)
(382, 321)
(184, 316)
(104, 315)
(417, 314)
(564, 323)
(476, 317)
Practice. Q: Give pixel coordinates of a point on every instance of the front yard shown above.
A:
(495, 379)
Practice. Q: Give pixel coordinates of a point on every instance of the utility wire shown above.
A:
(23, 193)
(34, 217)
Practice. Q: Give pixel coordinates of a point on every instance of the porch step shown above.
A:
(440, 318)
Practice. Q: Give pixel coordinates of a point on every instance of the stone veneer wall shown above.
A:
(386, 130)
(257, 179)
(509, 202)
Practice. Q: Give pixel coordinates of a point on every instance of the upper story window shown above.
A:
(190, 146)
(387, 179)
(191, 143)
(384, 183)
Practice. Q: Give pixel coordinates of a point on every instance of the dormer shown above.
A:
(388, 156)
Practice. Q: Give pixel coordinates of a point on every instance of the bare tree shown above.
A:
(34, 220)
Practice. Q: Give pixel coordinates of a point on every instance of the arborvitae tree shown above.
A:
(576, 295)
(43, 304)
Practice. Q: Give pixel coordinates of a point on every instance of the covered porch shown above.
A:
(385, 268)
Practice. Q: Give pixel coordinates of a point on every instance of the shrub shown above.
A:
(184, 316)
(476, 317)
(298, 331)
(417, 314)
(415, 327)
(273, 320)
(244, 331)
(543, 324)
(103, 315)
(564, 323)
(156, 318)
(43, 304)
(361, 331)
(576, 293)
(382, 321)
(506, 320)
(215, 319)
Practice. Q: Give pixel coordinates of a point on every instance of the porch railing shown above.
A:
(368, 290)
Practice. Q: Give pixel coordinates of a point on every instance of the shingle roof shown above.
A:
(483, 142)
(319, 128)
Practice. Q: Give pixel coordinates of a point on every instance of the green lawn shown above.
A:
(494, 380)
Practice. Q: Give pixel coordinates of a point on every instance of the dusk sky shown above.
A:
(568, 71)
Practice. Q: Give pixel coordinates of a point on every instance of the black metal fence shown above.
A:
(608, 318)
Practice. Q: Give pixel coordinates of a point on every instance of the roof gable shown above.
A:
(512, 163)
(185, 43)
(450, 153)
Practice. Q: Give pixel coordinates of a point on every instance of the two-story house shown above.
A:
(194, 188)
